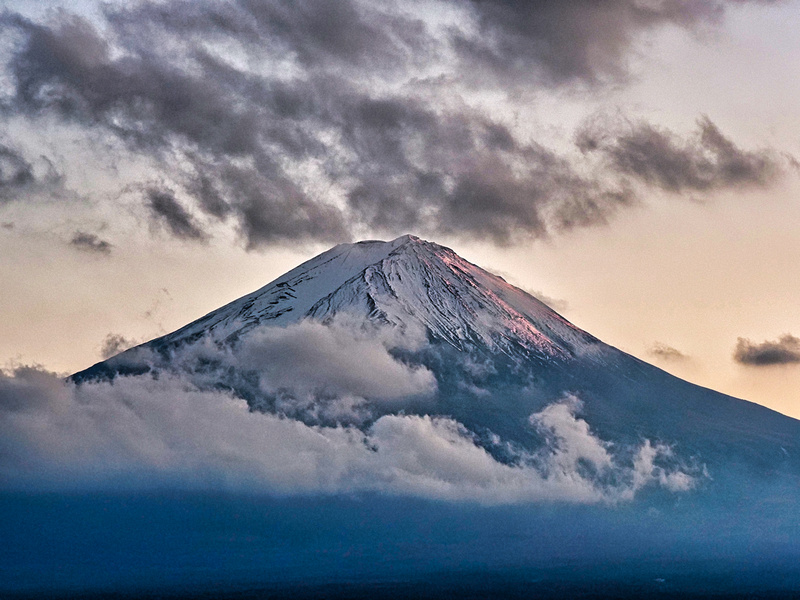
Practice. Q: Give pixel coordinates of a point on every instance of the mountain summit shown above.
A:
(405, 283)
(469, 346)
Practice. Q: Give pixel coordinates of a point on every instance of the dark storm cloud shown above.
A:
(235, 129)
(707, 161)
(461, 172)
(270, 207)
(90, 242)
(166, 210)
(784, 351)
(666, 353)
(308, 120)
(67, 67)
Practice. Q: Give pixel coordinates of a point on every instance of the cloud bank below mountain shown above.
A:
(146, 433)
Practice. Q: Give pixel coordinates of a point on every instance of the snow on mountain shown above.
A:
(405, 283)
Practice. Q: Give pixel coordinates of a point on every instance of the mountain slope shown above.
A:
(497, 354)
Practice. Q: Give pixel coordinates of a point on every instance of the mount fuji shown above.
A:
(388, 420)
(496, 353)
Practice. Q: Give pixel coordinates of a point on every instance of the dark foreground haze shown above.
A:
(193, 545)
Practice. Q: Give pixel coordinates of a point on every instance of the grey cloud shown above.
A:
(68, 67)
(114, 343)
(272, 208)
(319, 34)
(166, 209)
(205, 191)
(139, 433)
(90, 242)
(298, 121)
(162, 297)
(20, 178)
(16, 173)
(569, 40)
(461, 172)
(784, 351)
(233, 127)
(706, 162)
(666, 353)
(27, 388)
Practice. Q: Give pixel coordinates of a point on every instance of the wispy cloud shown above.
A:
(666, 353)
(90, 242)
(706, 162)
(561, 42)
(165, 209)
(20, 177)
(114, 343)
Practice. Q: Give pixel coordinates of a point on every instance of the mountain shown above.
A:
(402, 283)
(497, 354)
(388, 420)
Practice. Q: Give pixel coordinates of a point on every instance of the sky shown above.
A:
(632, 162)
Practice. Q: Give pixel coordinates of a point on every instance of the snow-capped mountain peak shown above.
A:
(404, 283)
(495, 355)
